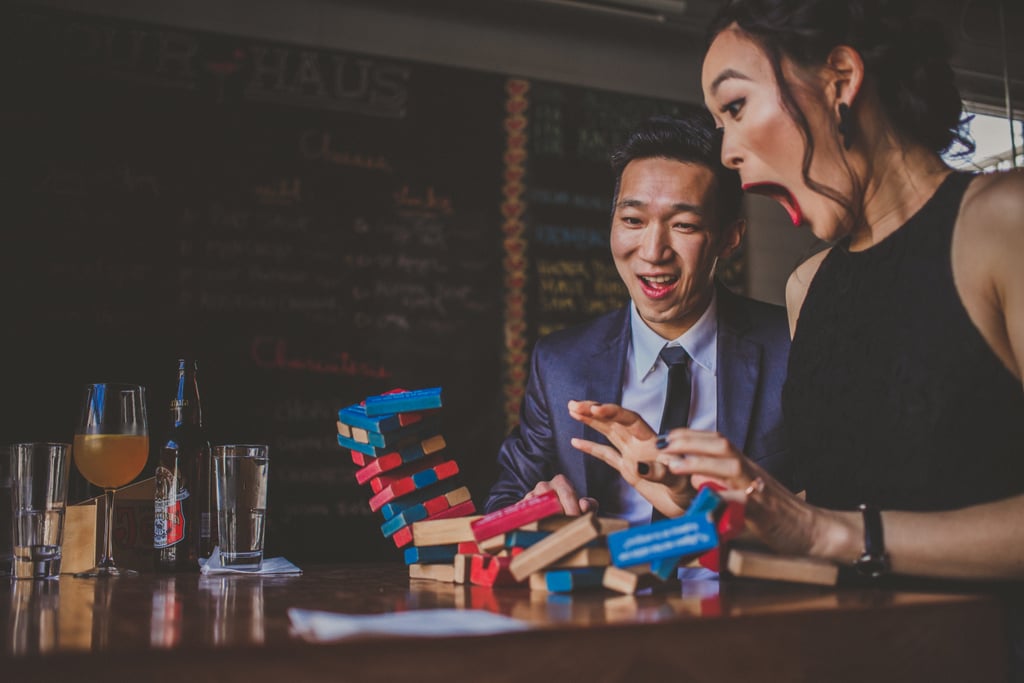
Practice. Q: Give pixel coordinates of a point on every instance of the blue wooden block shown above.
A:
(377, 451)
(568, 580)
(364, 448)
(704, 503)
(686, 535)
(411, 514)
(396, 506)
(431, 554)
(524, 539)
(424, 478)
(665, 569)
(415, 432)
(404, 402)
(355, 416)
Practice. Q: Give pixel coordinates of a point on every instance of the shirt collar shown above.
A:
(700, 341)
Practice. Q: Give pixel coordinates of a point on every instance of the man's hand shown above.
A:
(572, 504)
(634, 453)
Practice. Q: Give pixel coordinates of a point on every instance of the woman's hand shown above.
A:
(633, 453)
(776, 516)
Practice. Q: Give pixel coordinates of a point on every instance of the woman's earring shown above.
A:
(845, 125)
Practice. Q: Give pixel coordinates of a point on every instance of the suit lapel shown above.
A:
(739, 366)
(604, 385)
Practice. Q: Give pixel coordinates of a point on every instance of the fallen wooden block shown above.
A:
(630, 580)
(569, 538)
(669, 538)
(462, 567)
(433, 572)
(516, 515)
(754, 564)
(431, 554)
(584, 557)
(487, 570)
(443, 530)
(567, 580)
(404, 536)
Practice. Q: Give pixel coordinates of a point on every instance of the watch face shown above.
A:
(872, 565)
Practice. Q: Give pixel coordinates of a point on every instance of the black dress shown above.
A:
(893, 397)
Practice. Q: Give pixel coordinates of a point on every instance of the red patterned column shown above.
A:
(513, 206)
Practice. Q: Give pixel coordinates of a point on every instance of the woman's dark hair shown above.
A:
(906, 60)
(689, 137)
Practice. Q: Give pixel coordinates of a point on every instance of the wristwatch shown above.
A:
(874, 561)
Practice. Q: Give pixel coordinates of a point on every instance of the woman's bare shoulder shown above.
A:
(993, 209)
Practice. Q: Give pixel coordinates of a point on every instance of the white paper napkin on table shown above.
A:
(322, 626)
(271, 565)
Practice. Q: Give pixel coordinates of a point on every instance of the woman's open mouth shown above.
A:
(780, 194)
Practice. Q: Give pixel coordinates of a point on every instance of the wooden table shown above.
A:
(188, 628)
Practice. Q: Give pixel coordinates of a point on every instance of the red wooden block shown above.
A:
(413, 482)
(361, 459)
(398, 488)
(469, 548)
(385, 479)
(515, 516)
(403, 536)
(436, 505)
(392, 461)
(487, 570)
(406, 419)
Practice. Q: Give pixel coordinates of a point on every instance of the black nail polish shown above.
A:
(643, 468)
(662, 442)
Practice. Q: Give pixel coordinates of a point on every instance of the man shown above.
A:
(675, 214)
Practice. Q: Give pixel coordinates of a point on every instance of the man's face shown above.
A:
(666, 241)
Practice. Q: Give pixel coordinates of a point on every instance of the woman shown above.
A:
(904, 386)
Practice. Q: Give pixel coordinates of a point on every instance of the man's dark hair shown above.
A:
(690, 138)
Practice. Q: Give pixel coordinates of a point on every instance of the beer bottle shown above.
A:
(182, 506)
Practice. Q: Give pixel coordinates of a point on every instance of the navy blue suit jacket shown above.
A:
(587, 362)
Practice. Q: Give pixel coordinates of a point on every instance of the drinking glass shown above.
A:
(240, 477)
(110, 450)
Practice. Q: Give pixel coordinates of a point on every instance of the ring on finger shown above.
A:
(756, 486)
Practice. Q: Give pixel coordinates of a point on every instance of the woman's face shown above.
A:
(763, 142)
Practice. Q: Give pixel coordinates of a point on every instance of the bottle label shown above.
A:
(169, 521)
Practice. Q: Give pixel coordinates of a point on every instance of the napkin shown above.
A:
(323, 626)
(271, 565)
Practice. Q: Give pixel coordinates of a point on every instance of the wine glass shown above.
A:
(110, 449)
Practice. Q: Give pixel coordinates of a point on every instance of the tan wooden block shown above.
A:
(360, 435)
(492, 545)
(762, 565)
(433, 444)
(585, 557)
(461, 568)
(433, 572)
(444, 531)
(344, 430)
(458, 496)
(629, 580)
(572, 537)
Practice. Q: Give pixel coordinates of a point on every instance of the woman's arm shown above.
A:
(982, 541)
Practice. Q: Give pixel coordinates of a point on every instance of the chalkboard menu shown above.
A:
(313, 226)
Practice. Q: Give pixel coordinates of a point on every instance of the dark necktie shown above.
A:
(677, 395)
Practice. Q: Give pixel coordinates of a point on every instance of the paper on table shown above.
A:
(322, 626)
(271, 565)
